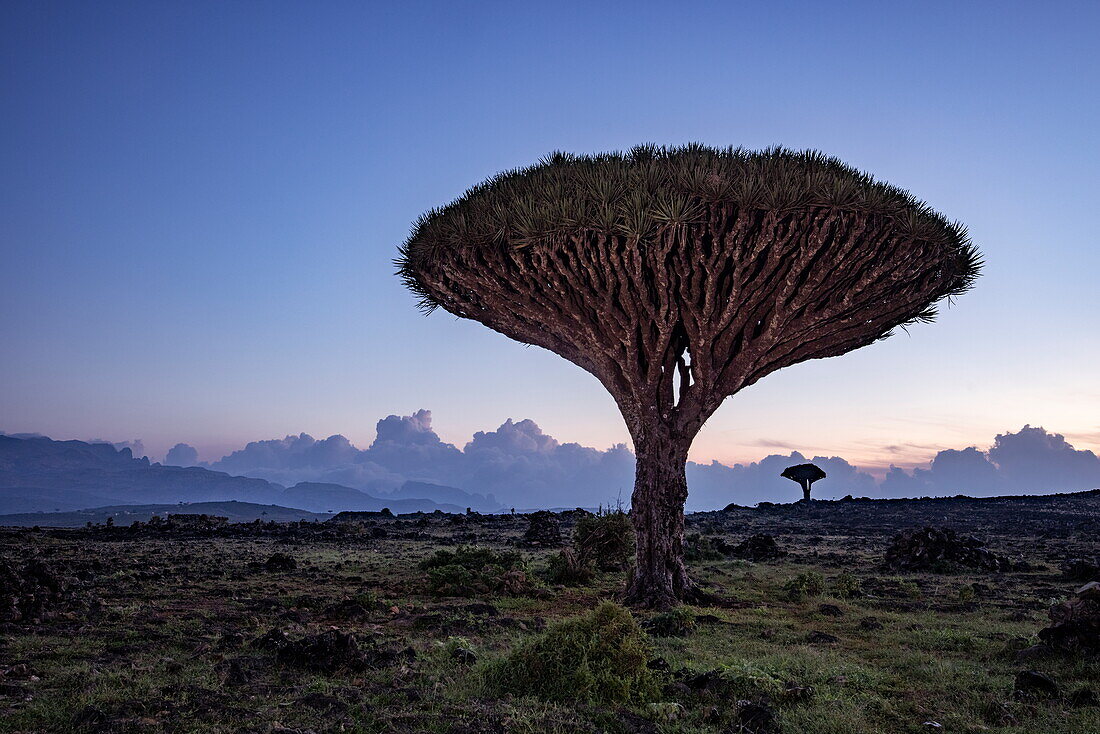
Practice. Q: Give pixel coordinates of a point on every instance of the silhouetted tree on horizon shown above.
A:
(804, 475)
(679, 276)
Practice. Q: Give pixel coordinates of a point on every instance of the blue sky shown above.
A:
(200, 203)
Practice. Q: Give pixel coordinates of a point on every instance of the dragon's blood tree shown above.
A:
(679, 276)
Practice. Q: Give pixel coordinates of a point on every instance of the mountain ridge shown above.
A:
(38, 474)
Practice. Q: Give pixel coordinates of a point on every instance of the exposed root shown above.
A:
(664, 593)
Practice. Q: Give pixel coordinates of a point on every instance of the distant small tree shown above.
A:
(679, 276)
(804, 475)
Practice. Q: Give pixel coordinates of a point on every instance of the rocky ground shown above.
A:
(849, 616)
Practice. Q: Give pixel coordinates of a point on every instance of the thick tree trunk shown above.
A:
(806, 490)
(660, 579)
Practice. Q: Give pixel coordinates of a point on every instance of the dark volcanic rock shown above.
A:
(543, 531)
(482, 608)
(280, 562)
(1033, 684)
(710, 680)
(37, 591)
(1084, 697)
(934, 549)
(755, 718)
(273, 640)
(759, 547)
(330, 651)
(1076, 627)
(1082, 569)
(239, 671)
(347, 610)
(326, 652)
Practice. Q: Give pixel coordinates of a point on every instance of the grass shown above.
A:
(154, 657)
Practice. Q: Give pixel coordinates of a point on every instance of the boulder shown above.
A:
(936, 549)
(1076, 622)
(759, 547)
(280, 562)
(543, 530)
(1082, 569)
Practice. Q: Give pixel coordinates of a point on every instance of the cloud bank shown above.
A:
(518, 465)
(1030, 461)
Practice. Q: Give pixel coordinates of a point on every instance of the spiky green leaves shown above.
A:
(635, 194)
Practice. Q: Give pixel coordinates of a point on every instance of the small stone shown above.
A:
(1091, 590)
(464, 656)
(796, 693)
(280, 562)
(756, 718)
(707, 681)
(1032, 683)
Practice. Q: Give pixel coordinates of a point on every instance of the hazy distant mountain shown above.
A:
(320, 497)
(38, 474)
(124, 515)
(442, 493)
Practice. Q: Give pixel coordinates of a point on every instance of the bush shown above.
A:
(474, 571)
(599, 657)
(808, 583)
(847, 586)
(606, 538)
(749, 680)
(910, 589)
(567, 568)
(699, 547)
(678, 622)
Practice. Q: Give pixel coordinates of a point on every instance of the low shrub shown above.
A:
(606, 539)
(599, 657)
(807, 583)
(568, 569)
(910, 589)
(678, 622)
(749, 680)
(847, 586)
(474, 571)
